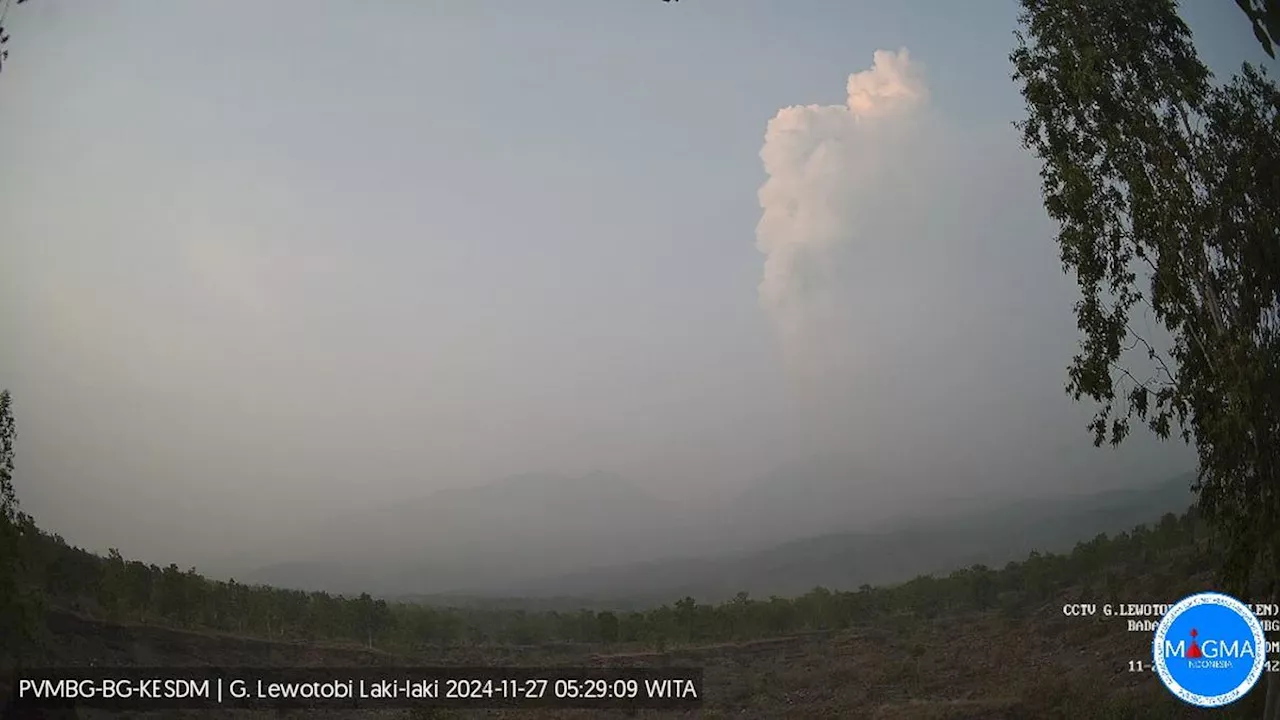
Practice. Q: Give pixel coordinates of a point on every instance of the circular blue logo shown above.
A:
(1209, 649)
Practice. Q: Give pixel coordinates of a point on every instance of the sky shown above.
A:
(265, 262)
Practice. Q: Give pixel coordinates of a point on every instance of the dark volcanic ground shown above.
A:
(988, 666)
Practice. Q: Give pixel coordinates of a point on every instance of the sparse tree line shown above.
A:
(1163, 185)
(131, 591)
(39, 571)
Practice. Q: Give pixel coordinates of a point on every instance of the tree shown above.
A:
(17, 607)
(608, 626)
(686, 617)
(1264, 15)
(10, 510)
(4, 36)
(374, 616)
(10, 627)
(1164, 187)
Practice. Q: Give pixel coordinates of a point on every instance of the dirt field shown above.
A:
(980, 666)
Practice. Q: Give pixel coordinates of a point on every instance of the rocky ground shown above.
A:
(990, 666)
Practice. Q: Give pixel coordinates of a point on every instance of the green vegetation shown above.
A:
(1164, 188)
(1264, 16)
(1163, 185)
(132, 591)
(37, 565)
(18, 607)
(989, 536)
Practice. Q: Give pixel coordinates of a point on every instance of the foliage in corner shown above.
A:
(1164, 187)
(1264, 15)
(4, 35)
(18, 616)
(119, 589)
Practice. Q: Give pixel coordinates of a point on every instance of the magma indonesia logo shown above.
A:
(1209, 649)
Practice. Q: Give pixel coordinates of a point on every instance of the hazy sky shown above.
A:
(264, 261)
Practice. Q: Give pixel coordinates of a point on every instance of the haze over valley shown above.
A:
(594, 538)
(451, 312)
(751, 359)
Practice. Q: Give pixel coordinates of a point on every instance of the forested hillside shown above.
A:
(907, 548)
(40, 572)
(114, 588)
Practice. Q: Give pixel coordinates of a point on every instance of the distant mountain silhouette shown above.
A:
(600, 537)
(527, 525)
(848, 560)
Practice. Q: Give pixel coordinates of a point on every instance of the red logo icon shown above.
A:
(1194, 650)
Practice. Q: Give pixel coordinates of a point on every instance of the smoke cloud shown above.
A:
(830, 168)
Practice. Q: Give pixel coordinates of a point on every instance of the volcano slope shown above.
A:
(914, 655)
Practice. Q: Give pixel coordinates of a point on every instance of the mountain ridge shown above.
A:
(635, 558)
(850, 559)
